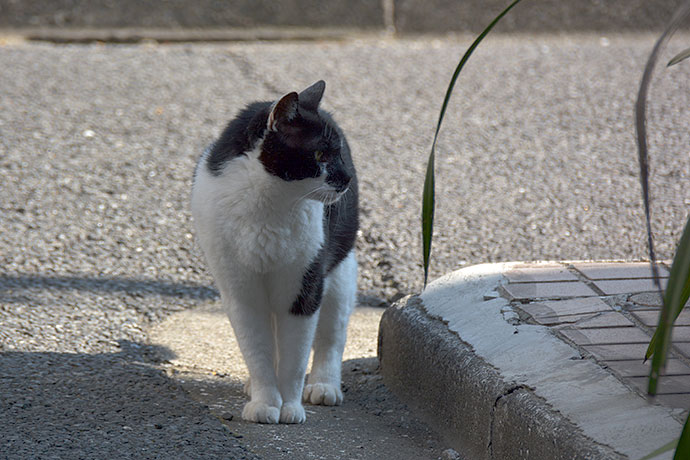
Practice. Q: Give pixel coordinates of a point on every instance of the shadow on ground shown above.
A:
(107, 285)
(370, 422)
(70, 405)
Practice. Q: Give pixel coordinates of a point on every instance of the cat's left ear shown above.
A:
(284, 110)
(311, 97)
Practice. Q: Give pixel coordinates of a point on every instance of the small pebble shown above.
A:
(450, 454)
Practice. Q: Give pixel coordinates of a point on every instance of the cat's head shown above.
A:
(302, 144)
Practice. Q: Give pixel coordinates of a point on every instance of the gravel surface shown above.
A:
(98, 144)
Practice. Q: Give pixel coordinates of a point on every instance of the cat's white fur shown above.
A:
(259, 233)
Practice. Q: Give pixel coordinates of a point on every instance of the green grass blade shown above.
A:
(428, 200)
(663, 332)
(682, 445)
(683, 449)
(684, 294)
(675, 298)
(683, 55)
(428, 207)
(665, 448)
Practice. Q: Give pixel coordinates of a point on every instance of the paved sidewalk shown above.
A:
(539, 360)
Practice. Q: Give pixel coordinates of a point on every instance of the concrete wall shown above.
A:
(402, 16)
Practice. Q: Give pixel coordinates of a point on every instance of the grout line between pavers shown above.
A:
(581, 276)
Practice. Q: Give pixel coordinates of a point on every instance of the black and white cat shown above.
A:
(275, 209)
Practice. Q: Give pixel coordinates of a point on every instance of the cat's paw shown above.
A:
(248, 387)
(324, 394)
(292, 412)
(260, 412)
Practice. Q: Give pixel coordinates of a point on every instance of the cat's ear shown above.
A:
(285, 110)
(310, 97)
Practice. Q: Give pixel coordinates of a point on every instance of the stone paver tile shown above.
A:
(678, 401)
(557, 290)
(612, 287)
(605, 319)
(681, 334)
(682, 347)
(539, 272)
(672, 384)
(637, 368)
(604, 336)
(647, 317)
(618, 352)
(647, 299)
(561, 320)
(607, 271)
(651, 317)
(561, 308)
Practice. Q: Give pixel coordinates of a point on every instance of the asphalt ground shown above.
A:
(98, 143)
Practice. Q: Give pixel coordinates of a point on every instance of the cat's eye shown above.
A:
(318, 155)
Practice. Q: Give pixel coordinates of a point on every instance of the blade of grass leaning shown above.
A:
(429, 200)
(665, 448)
(683, 449)
(428, 206)
(685, 292)
(675, 297)
(683, 55)
(664, 328)
(682, 445)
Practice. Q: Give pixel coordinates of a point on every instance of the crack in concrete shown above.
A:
(508, 392)
(250, 72)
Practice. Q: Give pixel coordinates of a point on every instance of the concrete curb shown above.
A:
(466, 399)
(175, 35)
(496, 387)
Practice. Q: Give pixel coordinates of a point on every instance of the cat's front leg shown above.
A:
(252, 322)
(295, 335)
(323, 384)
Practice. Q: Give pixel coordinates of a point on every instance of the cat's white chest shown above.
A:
(265, 241)
(256, 220)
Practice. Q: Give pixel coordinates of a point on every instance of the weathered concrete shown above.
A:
(362, 14)
(466, 398)
(554, 399)
(131, 20)
(541, 16)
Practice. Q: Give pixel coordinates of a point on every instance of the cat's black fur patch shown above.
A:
(289, 152)
(341, 222)
(309, 298)
(239, 136)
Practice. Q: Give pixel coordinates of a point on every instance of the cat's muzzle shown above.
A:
(332, 195)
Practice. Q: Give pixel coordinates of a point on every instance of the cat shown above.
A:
(275, 208)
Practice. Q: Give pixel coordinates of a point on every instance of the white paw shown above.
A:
(292, 412)
(260, 412)
(248, 387)
(323, 393)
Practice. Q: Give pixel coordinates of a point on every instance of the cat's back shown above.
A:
(238, 137)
